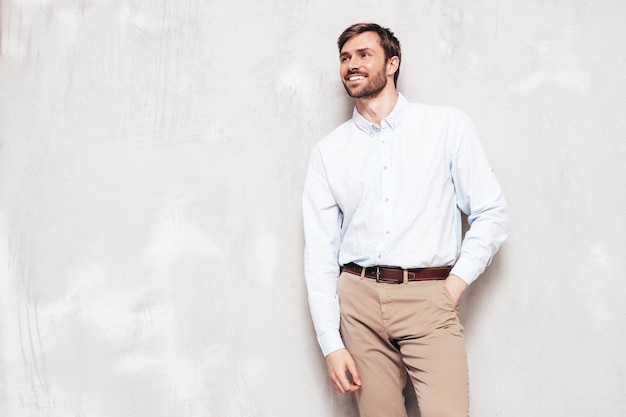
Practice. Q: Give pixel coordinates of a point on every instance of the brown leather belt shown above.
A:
(393, 275)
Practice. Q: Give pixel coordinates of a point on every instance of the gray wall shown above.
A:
(152, 155)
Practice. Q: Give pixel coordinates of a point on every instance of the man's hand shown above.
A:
(455, 286)
(339, 363)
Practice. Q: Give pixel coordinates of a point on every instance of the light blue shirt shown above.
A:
(393, 195)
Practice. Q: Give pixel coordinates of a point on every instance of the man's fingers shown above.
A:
(340, 380)
(342, 371)
(354, 374)
(340, 385)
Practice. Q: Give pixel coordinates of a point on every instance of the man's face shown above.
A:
(363, 66)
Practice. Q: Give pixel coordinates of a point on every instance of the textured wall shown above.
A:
(152, 155)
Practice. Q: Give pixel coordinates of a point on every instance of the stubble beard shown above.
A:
(371, 90)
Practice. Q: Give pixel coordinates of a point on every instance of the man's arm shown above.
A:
(322, 228)
(322, 231)
(478, 195)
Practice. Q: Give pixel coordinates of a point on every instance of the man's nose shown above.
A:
(354, 63)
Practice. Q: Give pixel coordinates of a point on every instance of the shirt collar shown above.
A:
(392, 120)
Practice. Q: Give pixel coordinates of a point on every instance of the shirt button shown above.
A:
(385, 167)
(386, 200)
(387, 232)
(380, 255)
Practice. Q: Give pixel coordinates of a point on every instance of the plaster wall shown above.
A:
(152, 155)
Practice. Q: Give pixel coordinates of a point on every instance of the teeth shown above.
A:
(356, 77)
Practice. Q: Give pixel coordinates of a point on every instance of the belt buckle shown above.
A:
(377, 273)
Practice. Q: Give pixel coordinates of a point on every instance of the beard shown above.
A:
(374, 86)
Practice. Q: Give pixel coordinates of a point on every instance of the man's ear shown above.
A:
(392, 65)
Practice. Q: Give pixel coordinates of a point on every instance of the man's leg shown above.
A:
(436, 359)
(383, 374)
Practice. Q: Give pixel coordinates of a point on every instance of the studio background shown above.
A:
(152, 156)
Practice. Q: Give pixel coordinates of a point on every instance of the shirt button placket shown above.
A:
(385, 180)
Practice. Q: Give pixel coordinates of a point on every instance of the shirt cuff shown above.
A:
(330, 342)
(467, 270)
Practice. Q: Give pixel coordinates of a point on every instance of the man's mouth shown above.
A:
(356, 77)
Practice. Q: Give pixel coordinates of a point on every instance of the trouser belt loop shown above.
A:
(377, 273)
(405, 276)
(362, 273)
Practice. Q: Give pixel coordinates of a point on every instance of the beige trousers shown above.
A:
(393, 330)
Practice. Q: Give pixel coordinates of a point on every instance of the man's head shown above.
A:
(387, 40)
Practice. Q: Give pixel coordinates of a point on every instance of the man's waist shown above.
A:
(397, 275)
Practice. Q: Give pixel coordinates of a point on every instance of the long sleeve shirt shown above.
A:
(392, 194)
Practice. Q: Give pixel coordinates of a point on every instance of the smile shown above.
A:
(356, 77)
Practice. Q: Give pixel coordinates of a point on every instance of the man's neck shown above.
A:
(377, 108)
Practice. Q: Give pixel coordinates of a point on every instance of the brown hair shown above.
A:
(388, 41)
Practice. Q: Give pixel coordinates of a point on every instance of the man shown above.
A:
(385, 261)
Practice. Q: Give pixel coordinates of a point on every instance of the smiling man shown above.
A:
(369, 80)
(385, 260)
